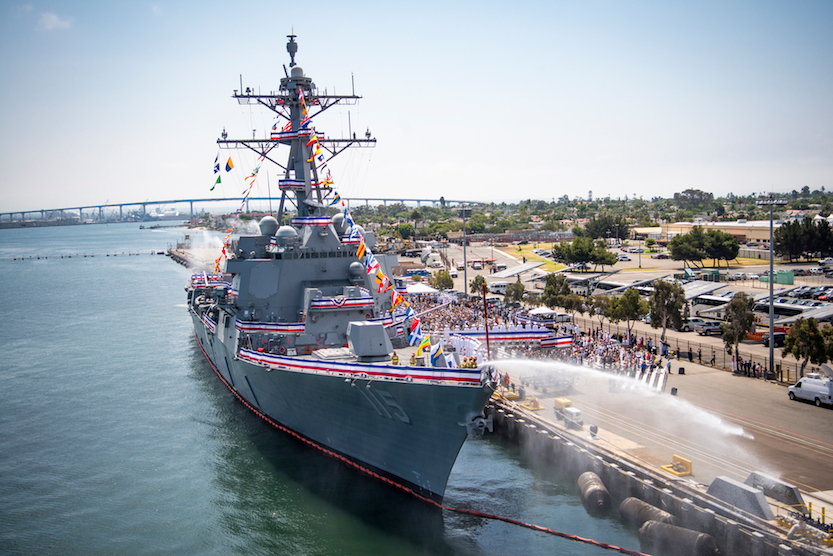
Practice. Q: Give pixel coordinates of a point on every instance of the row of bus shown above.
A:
(710, 305)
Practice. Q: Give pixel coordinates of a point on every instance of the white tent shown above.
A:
(542, 311)
(419, 287)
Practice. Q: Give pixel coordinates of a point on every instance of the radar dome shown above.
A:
(338, 222)
(296, 71)
(286, 232)
(356, 269)
(268, 226)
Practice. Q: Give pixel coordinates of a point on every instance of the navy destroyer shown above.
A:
(298, 321)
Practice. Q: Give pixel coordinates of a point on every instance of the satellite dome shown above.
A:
(268, 226)
(286, 232)
(356, 269)
(338, 222)
(296, 72)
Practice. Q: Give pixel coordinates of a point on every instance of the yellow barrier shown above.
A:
(679, 466)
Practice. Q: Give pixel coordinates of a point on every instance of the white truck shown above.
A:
(814, 387)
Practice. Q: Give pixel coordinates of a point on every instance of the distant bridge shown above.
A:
(96, 212)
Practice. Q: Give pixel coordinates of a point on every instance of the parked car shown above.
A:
(752, 276)
(777, 339)
(659, 256)
(798, 291)
(827, 261)
(623, 257)
(707, 328)
(690, 323)
(819, 291)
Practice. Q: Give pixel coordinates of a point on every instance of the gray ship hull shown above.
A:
(410, 432)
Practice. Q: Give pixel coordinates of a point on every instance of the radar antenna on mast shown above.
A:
(292, 48)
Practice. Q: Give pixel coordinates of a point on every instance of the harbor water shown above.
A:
(116, 437)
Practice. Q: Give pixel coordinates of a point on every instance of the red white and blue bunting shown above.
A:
(272, 327)
(557, 342)
(468, 377)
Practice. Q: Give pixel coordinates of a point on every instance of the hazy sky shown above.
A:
(124, 101)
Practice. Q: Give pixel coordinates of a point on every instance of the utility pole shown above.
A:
(771, 201)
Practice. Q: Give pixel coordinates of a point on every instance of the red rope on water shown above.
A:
(411, 491)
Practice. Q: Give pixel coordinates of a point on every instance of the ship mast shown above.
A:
(296, 95)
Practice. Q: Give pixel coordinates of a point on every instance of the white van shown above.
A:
(813, 387)
(498, 287)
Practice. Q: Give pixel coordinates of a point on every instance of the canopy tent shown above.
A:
(419, 287)
(542, 311)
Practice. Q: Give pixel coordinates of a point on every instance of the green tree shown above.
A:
(666, 305)
(694, 199)
(405, 230)
(789, 241)
(573, 303)
(719, 246)
(580, 250)
(739, 321)
(442, 280)
(601, 256)
(476, 284)
(601, 306)
(514, 292)
(607, 225)
(630, 307)
(689, 247)
(555, 289)
(806, 342)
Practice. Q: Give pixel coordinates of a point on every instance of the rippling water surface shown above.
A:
(117, 438)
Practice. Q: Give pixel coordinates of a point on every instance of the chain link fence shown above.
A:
(684, 350)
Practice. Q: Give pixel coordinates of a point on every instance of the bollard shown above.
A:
(674, 391)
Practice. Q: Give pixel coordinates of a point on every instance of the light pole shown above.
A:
(771, 201)
(465, 213)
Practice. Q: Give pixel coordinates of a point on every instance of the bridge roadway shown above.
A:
(47, 213)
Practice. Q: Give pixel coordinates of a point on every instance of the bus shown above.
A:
(706, 302)
(498, 287)
(781, 309)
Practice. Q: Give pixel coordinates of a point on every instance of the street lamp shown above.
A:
(465, 213)
(771, 201)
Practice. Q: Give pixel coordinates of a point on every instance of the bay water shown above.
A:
(116, 437)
